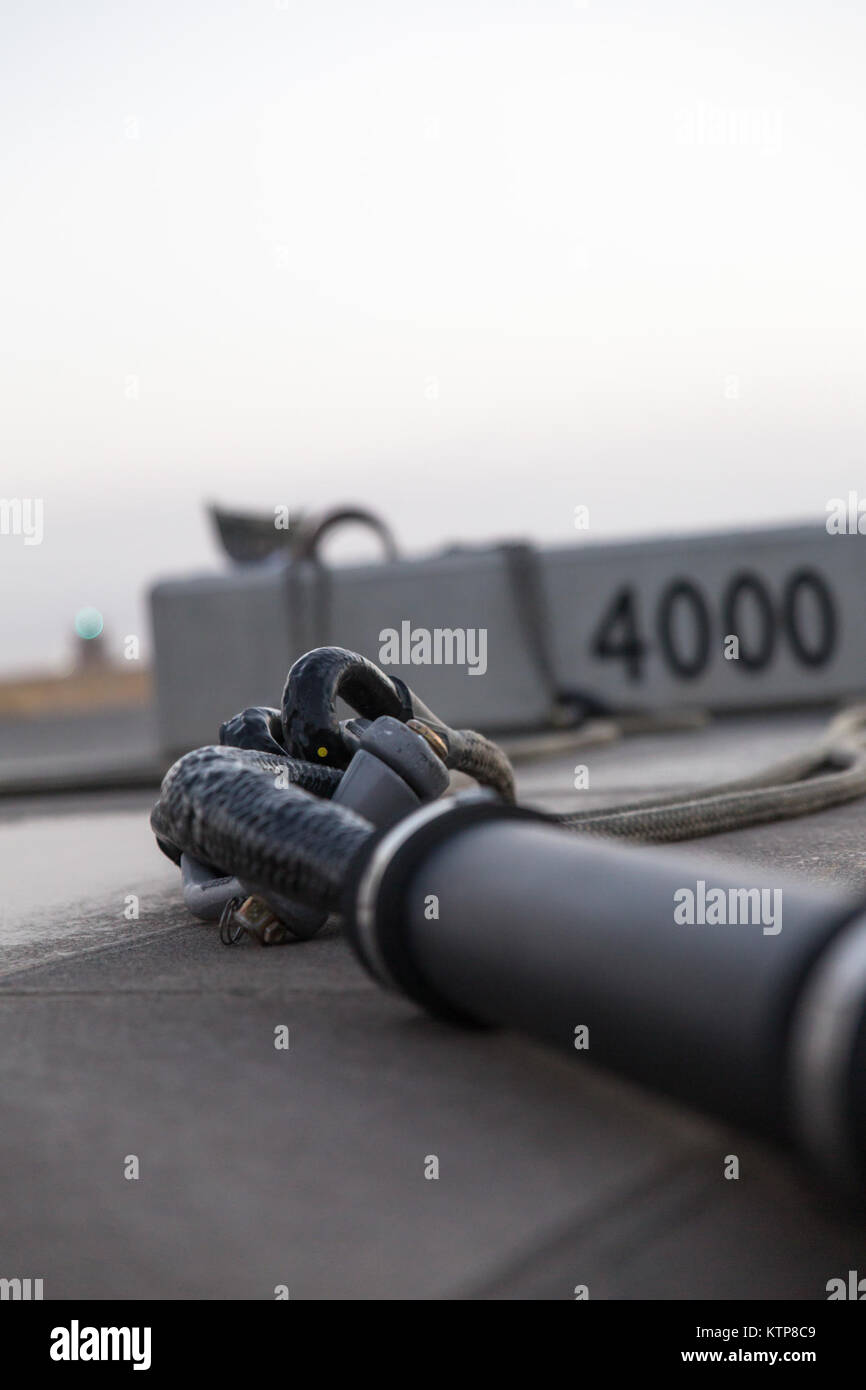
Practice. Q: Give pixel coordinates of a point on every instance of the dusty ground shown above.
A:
(305, 1167)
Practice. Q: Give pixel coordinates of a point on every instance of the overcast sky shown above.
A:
(472, 264)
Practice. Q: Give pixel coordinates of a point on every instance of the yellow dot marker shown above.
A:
(322, 752)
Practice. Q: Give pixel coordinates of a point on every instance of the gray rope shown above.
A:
(829, 774)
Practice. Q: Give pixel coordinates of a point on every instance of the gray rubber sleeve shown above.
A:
(516, 922)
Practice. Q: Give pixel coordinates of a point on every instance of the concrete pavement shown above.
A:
(305, 1167)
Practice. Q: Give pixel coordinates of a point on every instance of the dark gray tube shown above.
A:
(481, 912)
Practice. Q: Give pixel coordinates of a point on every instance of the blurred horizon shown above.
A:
(470, 266)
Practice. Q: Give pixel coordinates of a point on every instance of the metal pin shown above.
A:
(254, 916)
(230, 931)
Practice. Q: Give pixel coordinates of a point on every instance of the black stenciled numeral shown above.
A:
(679, 592)
(745, 585)
(806, 581)
(617, 636)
